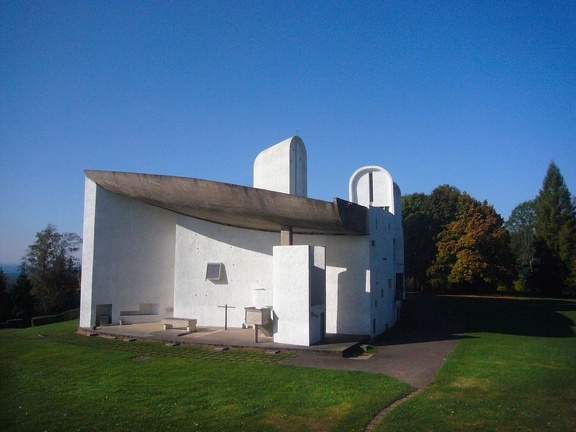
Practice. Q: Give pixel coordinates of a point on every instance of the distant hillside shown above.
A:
(11, 271)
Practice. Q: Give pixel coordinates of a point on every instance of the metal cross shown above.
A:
(226, 314)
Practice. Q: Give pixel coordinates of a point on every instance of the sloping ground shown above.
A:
(514, 370)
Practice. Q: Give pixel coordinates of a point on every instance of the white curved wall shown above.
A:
(128, 255)
(143, 254)
(247, 278)
(247, 259)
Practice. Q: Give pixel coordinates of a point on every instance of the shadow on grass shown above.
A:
(427, 318)
(516, 316)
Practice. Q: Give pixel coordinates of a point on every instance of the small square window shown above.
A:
(214, 271)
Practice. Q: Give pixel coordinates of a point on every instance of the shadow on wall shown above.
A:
(351, 302)
(255, 241)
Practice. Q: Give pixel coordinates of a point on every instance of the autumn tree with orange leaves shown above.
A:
(473, 251)
(455, 242)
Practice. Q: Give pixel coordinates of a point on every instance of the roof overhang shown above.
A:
(236, 205)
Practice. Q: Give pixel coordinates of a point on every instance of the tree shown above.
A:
(446, 203)
(473, 251)
(555, 235)
(53, 270)
(419, 234)
(425, 218)
(5, 301)
(22, 299)
(520, 225)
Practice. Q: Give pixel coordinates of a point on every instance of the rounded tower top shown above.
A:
(283, 168)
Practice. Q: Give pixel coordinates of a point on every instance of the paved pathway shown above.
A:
(412, 353)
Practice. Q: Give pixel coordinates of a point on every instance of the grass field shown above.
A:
(63, 381)
(514, 370)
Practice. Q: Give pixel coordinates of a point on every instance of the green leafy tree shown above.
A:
(473, 251)
(555, 235)
(446, 203)
(520, 225)
(53, 270)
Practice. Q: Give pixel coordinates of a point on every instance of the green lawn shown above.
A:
(68, 382)
(515, 370)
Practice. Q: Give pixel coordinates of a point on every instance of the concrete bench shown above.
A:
(188, 324)
(137, 317)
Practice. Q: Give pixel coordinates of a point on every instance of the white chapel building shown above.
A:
(162, 246)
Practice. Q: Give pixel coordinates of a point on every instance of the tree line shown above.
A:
(49, 278)
(456, 243)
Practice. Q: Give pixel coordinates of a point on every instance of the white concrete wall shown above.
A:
(86, 316)
(283, 168)
(247, 280)
(372, 186)
(347, 281)
(247, 259)
(317, 323)
(135, 253)
(382, 262)
(128, 255)
(295, 321)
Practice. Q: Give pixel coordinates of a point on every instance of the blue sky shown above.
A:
(478, 95)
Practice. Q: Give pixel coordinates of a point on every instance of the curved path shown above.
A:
(413, 352)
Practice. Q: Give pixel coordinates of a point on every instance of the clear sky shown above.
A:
(478, 95)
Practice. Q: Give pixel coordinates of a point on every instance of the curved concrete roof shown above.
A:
(235, 205)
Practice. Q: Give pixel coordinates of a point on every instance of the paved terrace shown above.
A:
(337, 345)
(412, 353)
